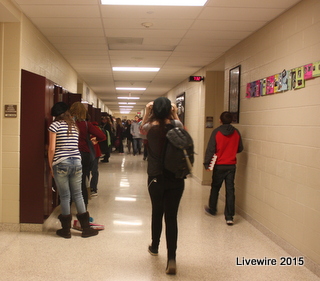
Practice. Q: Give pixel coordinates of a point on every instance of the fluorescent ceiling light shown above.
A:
(146, 69)
(155, 2)
(128, 98)
(130, 89)
(129, 103)
(126, 106)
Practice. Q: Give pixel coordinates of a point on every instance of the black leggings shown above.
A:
(86, 168)
(165, 194)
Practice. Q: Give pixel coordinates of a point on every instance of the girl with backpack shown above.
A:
(165, 189)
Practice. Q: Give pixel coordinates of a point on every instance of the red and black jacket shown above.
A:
(225, 142)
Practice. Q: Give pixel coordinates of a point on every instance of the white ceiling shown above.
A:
(94, 38)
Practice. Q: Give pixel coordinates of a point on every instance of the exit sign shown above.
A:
(196, 78)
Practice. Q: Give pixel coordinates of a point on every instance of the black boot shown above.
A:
(66, 225)
(87, 231)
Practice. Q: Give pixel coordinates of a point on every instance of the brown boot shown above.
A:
(87, 231)
(66, 225)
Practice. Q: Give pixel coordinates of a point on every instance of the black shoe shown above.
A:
(104, 161)
(152, 251)
(171, 267)
(209, 212)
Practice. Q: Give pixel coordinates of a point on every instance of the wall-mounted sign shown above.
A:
(10, 110)
(209, 122)
(196, 78)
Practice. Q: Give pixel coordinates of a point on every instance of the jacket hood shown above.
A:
(227, 129)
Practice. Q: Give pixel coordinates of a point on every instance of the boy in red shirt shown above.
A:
(225, 142)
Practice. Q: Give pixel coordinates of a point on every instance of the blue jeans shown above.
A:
(136, 146)
(220, 174)
(67, 176)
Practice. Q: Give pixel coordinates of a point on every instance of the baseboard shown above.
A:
(309, 264)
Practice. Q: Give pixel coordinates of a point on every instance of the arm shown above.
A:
(174, 112)
(147, 113)
(96, 132)
(240, 147)
(51, 149)
(211, 149)
(145, 118)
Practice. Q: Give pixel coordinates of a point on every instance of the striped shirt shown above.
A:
(66, 146)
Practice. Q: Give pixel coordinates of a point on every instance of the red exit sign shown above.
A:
(196, 78)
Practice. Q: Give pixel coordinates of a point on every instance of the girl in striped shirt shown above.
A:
(65, 165)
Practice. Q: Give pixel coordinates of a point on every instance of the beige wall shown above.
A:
(194, 116)
(40, 57)
(278, 176)
(214, 100)
(10, 127)
(278, 179)
(22, 47)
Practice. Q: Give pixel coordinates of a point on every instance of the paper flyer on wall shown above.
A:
(257, 88)
(300, 78)
(293, 78)
(263, 85)
(316, 69)
(270, 85)
(283, 84)
(308, 71)
(277, 87)
(289, 81)
(248, 91)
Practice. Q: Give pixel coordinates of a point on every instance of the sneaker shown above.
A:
(152, 251)
(208, 211)
(77, 226)
(171, 267)
(94, 194)
(229, 222)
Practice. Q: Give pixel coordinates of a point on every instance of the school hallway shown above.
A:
(208, 249)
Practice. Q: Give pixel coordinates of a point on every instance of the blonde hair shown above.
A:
(78, 111)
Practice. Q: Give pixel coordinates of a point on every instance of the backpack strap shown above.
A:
(164, 148)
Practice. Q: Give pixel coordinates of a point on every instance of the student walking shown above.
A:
(165, 190)
(225, 142)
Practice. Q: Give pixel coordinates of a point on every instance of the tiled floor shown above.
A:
(208, 249)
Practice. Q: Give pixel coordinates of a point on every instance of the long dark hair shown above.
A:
(66, 116)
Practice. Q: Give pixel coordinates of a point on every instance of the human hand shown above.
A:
(149, 107)
(174, 111)
(94, 140)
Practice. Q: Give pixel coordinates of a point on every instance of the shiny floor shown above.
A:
(208, 249)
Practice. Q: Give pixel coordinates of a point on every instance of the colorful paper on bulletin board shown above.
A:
(316, 69)
(289, 81)
(270, 85)
(257, 88)
(308, 71)
(283, 81)
(276, 83)
(293, 78)
(248, 94)
(252, 89)
(300, 78)
(263, 85)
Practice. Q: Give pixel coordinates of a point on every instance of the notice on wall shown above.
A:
(10, 111)
(209, 122)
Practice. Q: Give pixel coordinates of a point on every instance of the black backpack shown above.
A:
(178, 152)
